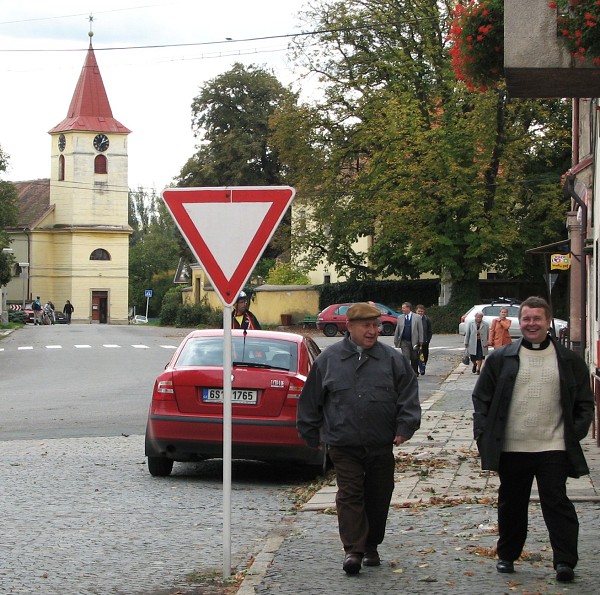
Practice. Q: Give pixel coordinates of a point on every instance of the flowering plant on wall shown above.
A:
(578, 26)
(476, 39)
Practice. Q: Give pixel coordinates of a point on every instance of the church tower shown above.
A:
(88, 262)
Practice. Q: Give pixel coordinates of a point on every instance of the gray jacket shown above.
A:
(493, 393)
(416, 329)
(471, 337)
(348, 401)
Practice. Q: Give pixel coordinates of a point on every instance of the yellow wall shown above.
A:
(61, 269)
(85, 197)
(269, 301)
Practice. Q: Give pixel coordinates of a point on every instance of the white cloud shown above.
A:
(150, 90)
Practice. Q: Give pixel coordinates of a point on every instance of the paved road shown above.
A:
(80, 380)
(82, 514)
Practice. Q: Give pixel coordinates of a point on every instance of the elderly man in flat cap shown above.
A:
(360, 399)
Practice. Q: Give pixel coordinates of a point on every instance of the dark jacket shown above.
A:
(493, 393)
(427, 328)
(249, 321)
(352, 402)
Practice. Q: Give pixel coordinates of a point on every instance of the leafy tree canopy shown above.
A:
(444, 181)
(8, 218)
(154, 250)
(231, 118)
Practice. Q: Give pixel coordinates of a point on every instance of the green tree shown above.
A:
(444, 181)
(284, 273)
(8, 218)
(154, 249)
(230, 118)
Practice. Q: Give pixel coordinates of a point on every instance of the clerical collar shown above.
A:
(536, 346)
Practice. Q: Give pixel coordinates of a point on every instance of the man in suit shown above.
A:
(427, 335)
(409, 335)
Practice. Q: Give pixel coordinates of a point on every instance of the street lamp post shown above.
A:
(24, 273)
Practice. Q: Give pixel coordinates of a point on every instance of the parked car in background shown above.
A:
(492, 310)
(185, 420)
(332, 320)
(29, 311)
(59, 317)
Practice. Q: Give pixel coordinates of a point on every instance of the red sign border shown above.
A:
(281, 198)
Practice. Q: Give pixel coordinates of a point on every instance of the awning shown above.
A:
(563, 246)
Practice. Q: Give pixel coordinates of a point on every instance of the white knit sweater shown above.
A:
(535, 419)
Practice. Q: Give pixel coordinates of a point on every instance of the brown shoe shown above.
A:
(371, 558)
(352, 563)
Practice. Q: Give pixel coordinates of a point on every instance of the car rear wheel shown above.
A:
(387, 329)
(160, 466)
(330, 330)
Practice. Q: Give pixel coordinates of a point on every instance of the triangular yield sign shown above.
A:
(228, 229)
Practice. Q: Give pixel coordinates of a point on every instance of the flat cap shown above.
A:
(362, 311)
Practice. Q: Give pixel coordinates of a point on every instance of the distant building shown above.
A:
(72, 236)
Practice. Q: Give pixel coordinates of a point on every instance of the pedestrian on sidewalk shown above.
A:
(427, 335)
(533, 404)
(476, 341)
(409, 335)
(500, 330)
(360, 399)
(68, 311)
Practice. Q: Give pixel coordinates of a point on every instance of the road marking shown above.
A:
(112, 346)
(53, 346)
(23, 348)
(169, 346)
(447, 348)
(140, 347)
(82, 346)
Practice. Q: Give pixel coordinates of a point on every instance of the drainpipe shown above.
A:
(569, 191)
(575, 131)
(28, 233)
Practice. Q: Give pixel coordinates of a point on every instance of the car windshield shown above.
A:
(264, 353)
(513, 311)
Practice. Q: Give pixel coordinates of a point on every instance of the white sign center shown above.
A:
(227, 229)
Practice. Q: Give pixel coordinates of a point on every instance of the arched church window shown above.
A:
(61, 168)
(100, 164)
(99, 254)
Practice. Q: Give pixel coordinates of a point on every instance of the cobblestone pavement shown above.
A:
(84, 516)
(442, 526)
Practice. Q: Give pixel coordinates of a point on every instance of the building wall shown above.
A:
(85, 197)
(269, 302)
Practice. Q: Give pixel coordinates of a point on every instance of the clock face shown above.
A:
(101, 142)
(62, 142)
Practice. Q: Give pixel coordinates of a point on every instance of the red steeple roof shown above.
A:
(90, 109)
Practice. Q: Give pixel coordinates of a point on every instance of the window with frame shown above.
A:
(61, 168)
(100, 164)
(99, 254)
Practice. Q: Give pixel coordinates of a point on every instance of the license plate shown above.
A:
(238, 396)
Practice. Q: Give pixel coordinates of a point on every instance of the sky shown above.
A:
(43, 47)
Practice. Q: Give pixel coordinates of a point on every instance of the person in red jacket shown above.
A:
(242, 317)
(500, 330)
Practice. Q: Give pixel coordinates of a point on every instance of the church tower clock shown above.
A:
(89, 190)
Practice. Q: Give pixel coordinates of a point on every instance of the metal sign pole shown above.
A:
(227, 367)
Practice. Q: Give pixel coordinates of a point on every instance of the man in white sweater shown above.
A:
(533, 404)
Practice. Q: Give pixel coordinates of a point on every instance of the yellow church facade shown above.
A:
(72, 238)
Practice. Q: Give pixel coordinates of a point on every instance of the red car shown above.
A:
(185, 421)
(333, 319)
